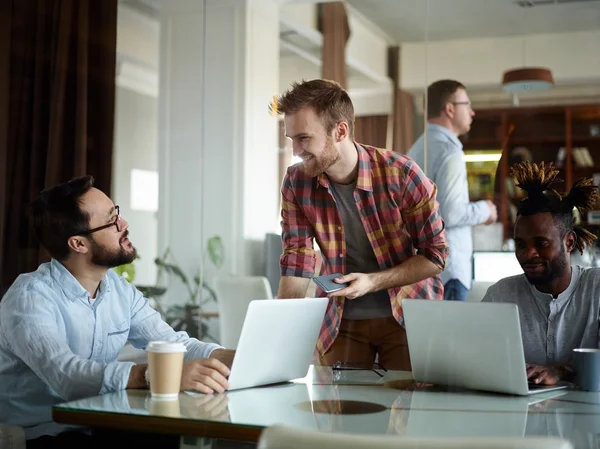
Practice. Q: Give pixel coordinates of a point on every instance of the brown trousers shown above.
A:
(359, 341)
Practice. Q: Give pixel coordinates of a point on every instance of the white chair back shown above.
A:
(234, 294)
(478, 290)
(282, 437)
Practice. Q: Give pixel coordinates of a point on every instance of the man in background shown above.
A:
(450, 115)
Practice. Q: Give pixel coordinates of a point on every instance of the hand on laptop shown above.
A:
(542, 374)
(224, 355)
(205, 376)
(360, 285)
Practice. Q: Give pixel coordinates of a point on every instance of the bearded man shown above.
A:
(62, 326)
(559, 303)
(373, 214)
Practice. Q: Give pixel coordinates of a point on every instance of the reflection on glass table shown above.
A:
(360, 402)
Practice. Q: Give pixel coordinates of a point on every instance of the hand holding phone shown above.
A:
(327, 284)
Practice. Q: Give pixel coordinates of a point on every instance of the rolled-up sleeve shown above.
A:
(298, 257)
(147, 325)
(36, 340)
(420, 214)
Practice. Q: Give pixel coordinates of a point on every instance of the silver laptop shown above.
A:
(277, 341)
(470, 345)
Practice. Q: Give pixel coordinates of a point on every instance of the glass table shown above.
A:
(358, 402)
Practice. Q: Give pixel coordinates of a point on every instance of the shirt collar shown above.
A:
(565, 295)
(432, 127)
(364, 180)
(70, 285)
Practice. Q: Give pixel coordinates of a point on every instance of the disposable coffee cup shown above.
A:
(587, 368)
(165, 363)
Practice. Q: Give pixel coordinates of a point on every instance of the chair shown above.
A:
(282, 437)
(11, 437)
(234, 294)
(478, 290)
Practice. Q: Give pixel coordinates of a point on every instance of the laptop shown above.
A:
(277, 341)
(469, 345)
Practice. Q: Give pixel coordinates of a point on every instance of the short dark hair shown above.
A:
(329, 100)
(56, 215)
(536, 180)
(439, 94)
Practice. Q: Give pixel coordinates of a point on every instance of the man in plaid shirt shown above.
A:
(375, 218)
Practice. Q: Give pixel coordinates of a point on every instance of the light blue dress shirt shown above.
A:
(55, 346)
(447, 169)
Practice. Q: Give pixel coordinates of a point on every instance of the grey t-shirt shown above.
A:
(552, 327)
(360, 257)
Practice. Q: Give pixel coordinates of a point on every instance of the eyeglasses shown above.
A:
(116, 223)
(347, 366)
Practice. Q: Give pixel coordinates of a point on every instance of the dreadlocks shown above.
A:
(536, 181)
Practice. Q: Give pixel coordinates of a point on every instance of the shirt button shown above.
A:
(341, 255)
(339, 228)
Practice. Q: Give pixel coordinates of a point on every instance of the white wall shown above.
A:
(574, 58)
(261, 189)
(218, 145)
(135, 146)
(136, 127)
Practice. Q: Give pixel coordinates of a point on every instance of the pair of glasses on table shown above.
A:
(356, 366)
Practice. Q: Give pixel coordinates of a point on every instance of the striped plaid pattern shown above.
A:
(398, 209)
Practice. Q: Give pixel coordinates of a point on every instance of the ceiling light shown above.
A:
(527, 79)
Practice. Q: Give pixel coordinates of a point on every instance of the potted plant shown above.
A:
(186, 317)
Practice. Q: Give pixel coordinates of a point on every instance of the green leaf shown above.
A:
(171, 268)
(216, 251)
(127, 271)
(151, 291)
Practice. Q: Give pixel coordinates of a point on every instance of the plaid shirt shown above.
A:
(398, 209)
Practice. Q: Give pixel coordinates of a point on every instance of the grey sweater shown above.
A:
(552, 327)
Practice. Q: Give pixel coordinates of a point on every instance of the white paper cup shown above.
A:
(165, 363)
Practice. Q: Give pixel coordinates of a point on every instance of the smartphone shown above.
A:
(327, 285)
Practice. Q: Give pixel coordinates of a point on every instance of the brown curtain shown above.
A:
(371, 130)
(404, 122)
(403, 113)
(333, 24)
(57, 81)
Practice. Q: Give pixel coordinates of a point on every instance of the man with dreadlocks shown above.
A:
(559, 304)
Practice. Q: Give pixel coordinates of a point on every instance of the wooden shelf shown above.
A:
(506, 128)
(537, 140)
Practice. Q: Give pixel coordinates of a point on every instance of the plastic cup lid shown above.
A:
(165, 346)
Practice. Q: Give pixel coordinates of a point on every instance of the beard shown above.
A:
(552, 270)
(317, 165)
(110, 258)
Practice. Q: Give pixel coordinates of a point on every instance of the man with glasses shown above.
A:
(450, 115)
(62, 327)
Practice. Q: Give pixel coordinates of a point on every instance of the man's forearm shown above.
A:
(137, 377)
(292, 287)
(408, 272)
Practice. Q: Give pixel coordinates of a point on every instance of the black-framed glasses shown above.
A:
(356, 366)
(116, 224)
